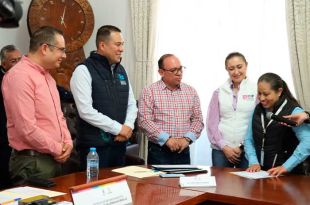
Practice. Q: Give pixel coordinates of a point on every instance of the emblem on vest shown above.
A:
(248, 97)
(122, 79)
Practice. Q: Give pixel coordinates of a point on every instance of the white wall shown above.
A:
(116, 12)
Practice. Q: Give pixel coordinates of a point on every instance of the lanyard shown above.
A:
(262, 153)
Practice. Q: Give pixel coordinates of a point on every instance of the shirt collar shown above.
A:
(2, 69)
(163, 86)
(232, 84)
(33, 65)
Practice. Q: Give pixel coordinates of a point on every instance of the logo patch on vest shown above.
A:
(248, 97)
(122, 79)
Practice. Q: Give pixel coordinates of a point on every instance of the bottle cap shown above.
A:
(93, 149)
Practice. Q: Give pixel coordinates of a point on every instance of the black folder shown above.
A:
(178, 169)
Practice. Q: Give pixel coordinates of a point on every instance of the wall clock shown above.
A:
(75, 18)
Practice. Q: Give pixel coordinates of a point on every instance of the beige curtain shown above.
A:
(144, 23)
(298, 24)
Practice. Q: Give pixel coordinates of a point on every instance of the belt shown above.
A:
(26, 152)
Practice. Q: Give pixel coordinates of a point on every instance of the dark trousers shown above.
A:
(163, 155)
(109, 156)
(219, 160)
(24, 166)
(5, 153)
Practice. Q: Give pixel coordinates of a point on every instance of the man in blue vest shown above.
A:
(105, 101)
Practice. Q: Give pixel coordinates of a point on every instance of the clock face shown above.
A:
(74, 17)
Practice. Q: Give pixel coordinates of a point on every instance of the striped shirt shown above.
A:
(165, 113)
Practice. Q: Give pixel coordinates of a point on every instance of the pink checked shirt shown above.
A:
(34, 117)
(164, 113)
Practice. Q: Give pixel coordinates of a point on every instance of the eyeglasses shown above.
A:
(175, 70)
(62, 49)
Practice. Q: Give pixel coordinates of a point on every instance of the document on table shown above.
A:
(180, 168)
(175, 166)
(253, 175)
(200, 180)
(15, 194)
(135, 171)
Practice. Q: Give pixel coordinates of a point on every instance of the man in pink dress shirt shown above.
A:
(37, 130)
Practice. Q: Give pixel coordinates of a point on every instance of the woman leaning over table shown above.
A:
(270, 145)
(229, 112)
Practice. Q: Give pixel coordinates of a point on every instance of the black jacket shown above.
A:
(3, 130)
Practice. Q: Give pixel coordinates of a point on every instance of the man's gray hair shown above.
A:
(5, 50)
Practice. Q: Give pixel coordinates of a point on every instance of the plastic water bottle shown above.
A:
(92, 171)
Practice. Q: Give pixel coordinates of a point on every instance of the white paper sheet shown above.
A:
(200, 180)
(253, 175)
(135, 171)
(111, 193)
(25, 192)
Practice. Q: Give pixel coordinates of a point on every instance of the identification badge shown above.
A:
(122, 79)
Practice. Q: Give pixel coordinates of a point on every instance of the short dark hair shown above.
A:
(6, 49)
(235, 54)
(162, 59)
(45, 34)
(104, 33)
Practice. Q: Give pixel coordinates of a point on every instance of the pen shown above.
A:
(10, 201)
(274, 160)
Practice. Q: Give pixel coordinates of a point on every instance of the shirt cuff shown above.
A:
(69, 142)
(58, 150)
(253, 160)
(290, 163)
(117, 128)
(222, 144)
(162, 138)
(131, 125)
(191, 136)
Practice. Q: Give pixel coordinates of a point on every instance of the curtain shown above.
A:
(202, 33)
(298, 24)
(144, 23)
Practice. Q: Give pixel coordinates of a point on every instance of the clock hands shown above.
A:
(62, 18)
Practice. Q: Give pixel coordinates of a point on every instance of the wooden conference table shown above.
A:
(230, 189)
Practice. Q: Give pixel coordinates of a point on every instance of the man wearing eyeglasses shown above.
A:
(9, 56)
(37, 130)
(170, 114)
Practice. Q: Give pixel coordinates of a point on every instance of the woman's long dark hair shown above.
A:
(276, 82)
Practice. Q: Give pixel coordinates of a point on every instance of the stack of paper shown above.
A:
(201, 180)
(135, 171)
(178, 169)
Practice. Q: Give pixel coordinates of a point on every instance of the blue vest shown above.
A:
(110, 92)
